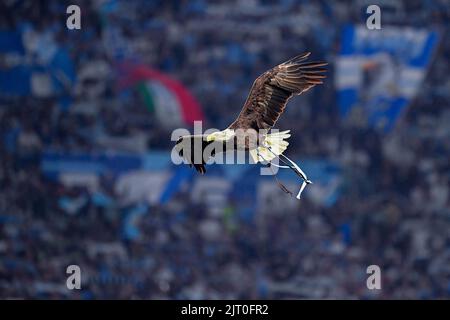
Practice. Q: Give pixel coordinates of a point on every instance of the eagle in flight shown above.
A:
(251, 130)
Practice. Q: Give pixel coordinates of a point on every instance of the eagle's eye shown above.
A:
(179, 140)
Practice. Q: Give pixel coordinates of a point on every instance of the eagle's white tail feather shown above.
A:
(276, 142)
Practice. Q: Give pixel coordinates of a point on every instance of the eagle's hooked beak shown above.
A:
(210, 137)
(218, 135)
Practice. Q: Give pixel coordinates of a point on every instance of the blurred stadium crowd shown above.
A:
(394, 207)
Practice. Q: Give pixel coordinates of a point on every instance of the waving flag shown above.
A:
(168, 99)
(380, 71)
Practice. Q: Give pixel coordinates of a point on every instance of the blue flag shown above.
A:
(378, 72)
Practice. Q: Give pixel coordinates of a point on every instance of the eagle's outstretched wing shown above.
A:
(192, 149)
(271, 91)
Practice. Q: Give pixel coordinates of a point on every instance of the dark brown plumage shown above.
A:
(272, 90)
(194, 149)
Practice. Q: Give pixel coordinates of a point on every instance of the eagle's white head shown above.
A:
(224, 135)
